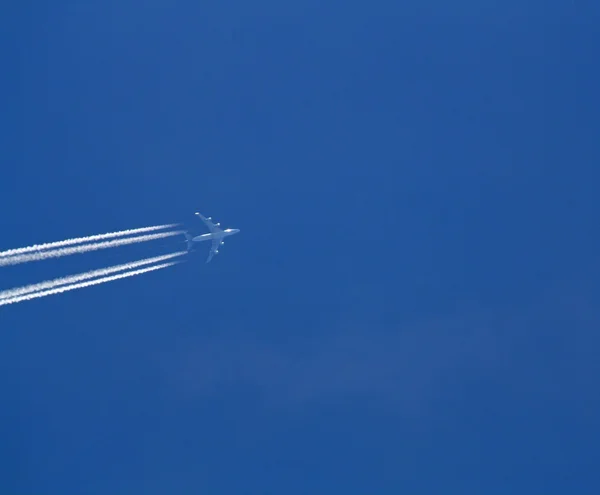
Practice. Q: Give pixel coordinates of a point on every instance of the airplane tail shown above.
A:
(188, 239)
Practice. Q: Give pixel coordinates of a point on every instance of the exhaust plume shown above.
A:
(82, 285)
(72, 279)
(81, 240)
(58, 253)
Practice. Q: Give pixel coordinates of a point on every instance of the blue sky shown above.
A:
(412, 303)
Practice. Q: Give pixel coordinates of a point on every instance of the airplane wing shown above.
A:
(213, 227)
(214, 249)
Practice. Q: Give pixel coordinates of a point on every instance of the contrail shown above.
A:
(89, 283)
(72, 279)
(81, 240)
(57, 253)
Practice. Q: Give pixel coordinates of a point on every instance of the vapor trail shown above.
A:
(72, 279)
(81, 240)
(57, 253)
(89, 283)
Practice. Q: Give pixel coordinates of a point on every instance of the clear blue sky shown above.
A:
(412, 305)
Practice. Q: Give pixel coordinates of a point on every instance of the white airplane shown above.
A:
(215, 235)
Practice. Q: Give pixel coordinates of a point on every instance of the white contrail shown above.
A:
(89, 283)
(72, 279)
(81, 240)
(57, 253)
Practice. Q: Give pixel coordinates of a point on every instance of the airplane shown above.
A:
(215, 235)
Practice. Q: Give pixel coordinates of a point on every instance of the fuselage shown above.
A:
(215, 235)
